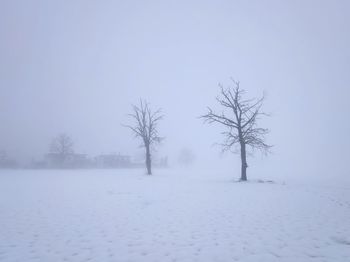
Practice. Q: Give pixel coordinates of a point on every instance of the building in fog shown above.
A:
(113, 161)
(54, 160)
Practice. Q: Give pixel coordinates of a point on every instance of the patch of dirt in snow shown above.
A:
(341, 240)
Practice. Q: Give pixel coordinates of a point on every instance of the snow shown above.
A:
(175, 215)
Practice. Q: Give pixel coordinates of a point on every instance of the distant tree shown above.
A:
(62, 146)
(239, 117)
(6, 162)
(186, 157)
(145, 126)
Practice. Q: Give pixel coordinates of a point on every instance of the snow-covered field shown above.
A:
(124, 215)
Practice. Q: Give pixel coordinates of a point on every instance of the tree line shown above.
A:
(238, 117)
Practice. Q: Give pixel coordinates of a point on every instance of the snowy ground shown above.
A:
(123, 215)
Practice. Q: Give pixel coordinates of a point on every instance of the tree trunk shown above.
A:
(243, 162)
(148, 161)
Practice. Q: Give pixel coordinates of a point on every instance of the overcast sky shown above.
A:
(77, 66)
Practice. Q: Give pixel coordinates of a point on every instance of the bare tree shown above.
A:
(239, 116)
(146, 127)
(62, 146)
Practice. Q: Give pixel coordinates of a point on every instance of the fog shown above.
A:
(77, 66)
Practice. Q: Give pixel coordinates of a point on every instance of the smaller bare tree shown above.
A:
(62, 145)
(239, 117)
(145, 126)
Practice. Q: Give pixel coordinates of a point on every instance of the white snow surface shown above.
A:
(174, 215)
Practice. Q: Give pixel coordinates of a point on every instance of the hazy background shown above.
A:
(76, 66)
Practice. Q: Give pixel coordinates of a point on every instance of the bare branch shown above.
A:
(242, 125)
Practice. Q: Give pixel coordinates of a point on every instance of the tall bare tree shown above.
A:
(62, 145)
(239, 117)
(145, 126)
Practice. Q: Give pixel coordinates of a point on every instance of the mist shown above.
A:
(90, 170)
(78, 66)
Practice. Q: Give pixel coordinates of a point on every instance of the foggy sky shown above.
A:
(77, 66)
